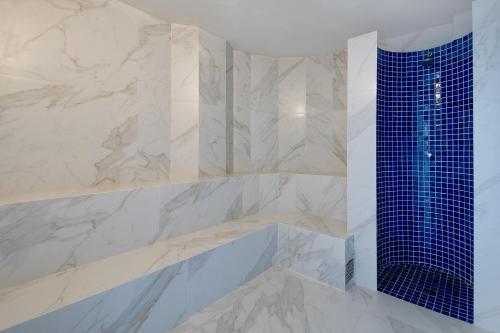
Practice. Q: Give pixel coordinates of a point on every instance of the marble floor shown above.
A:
(281, 301)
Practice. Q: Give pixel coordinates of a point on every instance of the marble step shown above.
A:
(157, 287)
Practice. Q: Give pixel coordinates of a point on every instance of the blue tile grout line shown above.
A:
(425, 177)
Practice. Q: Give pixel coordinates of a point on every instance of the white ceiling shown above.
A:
(300, 27)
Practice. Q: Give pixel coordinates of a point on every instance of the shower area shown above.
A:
(425, 177)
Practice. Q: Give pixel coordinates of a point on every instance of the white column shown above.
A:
(198, 112)
(361, 155)
(486, 27)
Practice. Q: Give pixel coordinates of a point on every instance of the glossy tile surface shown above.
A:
(361, 154)
(425, 191)
(279, 301)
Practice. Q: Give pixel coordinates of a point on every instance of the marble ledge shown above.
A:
(98, 191)
(329, 174)
(31, 300)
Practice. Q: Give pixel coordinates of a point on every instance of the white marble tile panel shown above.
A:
(154, 120)
(277, 193)
(78, 96)
(57, 291)
(361, 154)
(322, 196)
(282, 254)
(241, 112)
(154, 303)
(216, 273)
(264, 109)
(281, 301)
(189, 207)
(325, 143)
(292, 114)
(317, 256)
(212, 112)
(184, 126)
(229, 108)
(486, 21)
(251, 196)
(212, 145)
(44, 237)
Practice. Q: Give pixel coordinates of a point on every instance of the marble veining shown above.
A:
(70, 232)
(185, 208)
(79, 294)
(229, 109)
(292, 114)
(212, 111)
(281, 301)
(264, 113)
(322, 196)
(303, 128)
(185, 80)
(82, 75)
(317, 197)
(42, 237)
(317, 256)
(326, 113)
(165, 298)
(241, 115)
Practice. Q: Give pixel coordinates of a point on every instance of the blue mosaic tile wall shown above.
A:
(425, 177)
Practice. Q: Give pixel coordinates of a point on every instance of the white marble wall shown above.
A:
(212, 109)
(314, 196)
(105, 97)
(361, 155)
(277, 193)
(264, 113)
(317, 256)
(184, 125)
(185, 208)
(42, 237)
(486, 18)
(326, 112)
(242, 85)
(229, 108)
(84, 98)
(292, 114)
(198, 116)
(322, 196)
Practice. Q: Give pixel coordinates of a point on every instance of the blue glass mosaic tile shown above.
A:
(425, 177)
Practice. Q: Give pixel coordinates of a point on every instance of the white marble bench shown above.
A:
(157, 287)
